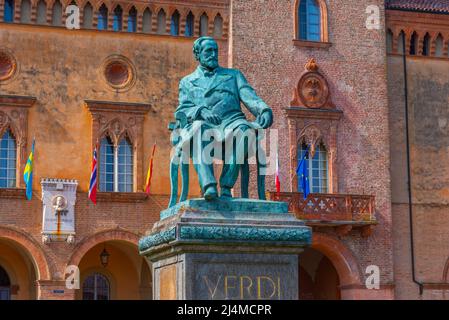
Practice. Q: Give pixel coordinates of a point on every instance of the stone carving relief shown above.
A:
(58, 202)
(312, 90)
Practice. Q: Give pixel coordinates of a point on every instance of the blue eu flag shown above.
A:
(303, 174)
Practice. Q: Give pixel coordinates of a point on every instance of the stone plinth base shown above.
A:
(235, 249)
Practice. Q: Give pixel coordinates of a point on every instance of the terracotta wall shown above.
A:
(428, 87)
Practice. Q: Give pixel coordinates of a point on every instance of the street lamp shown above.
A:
(104, 257)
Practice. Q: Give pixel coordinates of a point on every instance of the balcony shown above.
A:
(340, 211)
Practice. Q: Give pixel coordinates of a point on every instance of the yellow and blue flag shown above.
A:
(28, 173)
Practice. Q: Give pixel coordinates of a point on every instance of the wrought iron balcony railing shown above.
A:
(337, 210)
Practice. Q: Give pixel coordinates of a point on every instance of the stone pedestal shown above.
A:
(236, 249)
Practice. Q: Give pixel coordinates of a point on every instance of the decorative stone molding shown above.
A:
(313, 119)
(312, 90)
(212, 8)
(118, 120)
(14, 116)
(58, 200)
(420, 23)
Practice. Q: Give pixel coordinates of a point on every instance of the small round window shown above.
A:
(118, 72)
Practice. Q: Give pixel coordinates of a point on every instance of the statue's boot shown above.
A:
(211, 193)
(226, 192)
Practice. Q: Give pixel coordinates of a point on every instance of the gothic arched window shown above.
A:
(132, 20)
(117, 20)
(189, 25)
(25, 11)
(102, 18)
(204, 25)
(8, 160)
(174, 26)
(41, 12)
(56, 18)
(317, 168)
(8, 15)
(218, 26)
(161, 22)
(87, 16)
(146, 21)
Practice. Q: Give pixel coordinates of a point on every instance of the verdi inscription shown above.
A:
(243, 287)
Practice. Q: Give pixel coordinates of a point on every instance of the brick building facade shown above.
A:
(332, 76)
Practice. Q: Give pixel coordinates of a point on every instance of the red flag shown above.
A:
(150, 171)
(93, 179)
(277, 181)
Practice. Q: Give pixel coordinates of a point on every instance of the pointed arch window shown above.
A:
(174, 26)
(218, 26)
(41, 12)
(117, 20)
(9, 11)
(439, 46)
(87, 16)
(102, 18)
(161, 22)
(414, 44)
(146, 21)
(96, 287)
(132, 20)
(317, 167)
(389, 40)
(8, 160)
(56, 19)
(189, 24)
(116, 166)
(204, 25)
(426, 45)
(25, 11)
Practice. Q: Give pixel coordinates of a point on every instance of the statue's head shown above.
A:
(205, 50)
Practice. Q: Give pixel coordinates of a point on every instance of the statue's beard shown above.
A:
(210, 63)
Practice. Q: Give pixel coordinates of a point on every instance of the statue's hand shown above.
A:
(208, 116)
(265, 120)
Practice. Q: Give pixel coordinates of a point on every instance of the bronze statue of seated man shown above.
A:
(211, 96)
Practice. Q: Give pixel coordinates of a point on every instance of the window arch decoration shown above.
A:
(313, 120)
(14, 117)
(323, 21)
(119, 121)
